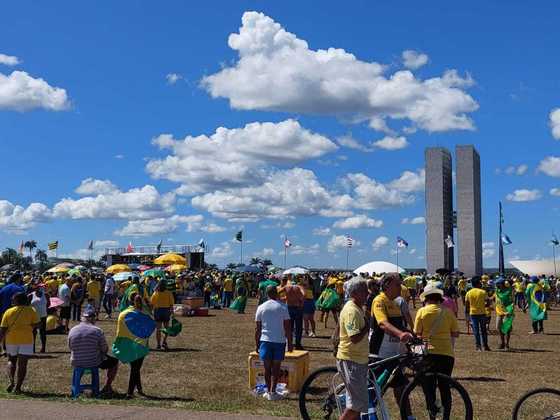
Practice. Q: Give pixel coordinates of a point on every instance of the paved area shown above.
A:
(41, 410)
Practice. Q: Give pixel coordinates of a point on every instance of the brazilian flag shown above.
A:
(537, 304)
(506, 302)
(133, 330)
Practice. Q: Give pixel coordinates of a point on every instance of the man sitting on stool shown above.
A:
(89, 348)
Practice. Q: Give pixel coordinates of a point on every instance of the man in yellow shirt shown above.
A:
(389, 327)
(410, 283)
(352, 353)
(475, 305)
(228, 292)
(16, 328)
(94, 292)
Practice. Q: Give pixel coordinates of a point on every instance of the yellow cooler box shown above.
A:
(293, 371)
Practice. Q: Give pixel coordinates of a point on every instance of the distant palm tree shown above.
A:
(31, 245)
(41, 256)
(255, 261)
(10, 256)
(266, 262)
(232, 266)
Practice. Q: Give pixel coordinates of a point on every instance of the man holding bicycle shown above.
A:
(352, 354)
(388, 327)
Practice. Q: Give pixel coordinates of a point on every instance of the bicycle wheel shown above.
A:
(316, 398)
(540, 403)
(432, 396)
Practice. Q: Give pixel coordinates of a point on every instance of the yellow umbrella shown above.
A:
(58, 269)
(170, 259)
(117, 268)
(176, 267)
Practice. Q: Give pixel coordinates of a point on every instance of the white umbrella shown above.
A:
(296, 270)
(379, 267)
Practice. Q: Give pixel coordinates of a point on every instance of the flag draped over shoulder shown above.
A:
(133, 330)
(537, 305)
(505, 302)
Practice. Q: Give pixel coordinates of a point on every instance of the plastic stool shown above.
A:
(78, 387)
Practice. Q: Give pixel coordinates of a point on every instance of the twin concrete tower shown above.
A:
(440, 217)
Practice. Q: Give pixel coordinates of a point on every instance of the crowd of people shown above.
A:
(371, 313)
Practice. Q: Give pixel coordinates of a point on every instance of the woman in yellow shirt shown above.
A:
(162, 303)
(438, 327)
(16, 329)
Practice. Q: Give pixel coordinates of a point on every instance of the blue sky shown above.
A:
(102, 109)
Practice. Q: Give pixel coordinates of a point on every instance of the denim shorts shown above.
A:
(272, 351)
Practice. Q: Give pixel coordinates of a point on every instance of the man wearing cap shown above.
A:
(388, 327)
(273, 327)
(89, 348)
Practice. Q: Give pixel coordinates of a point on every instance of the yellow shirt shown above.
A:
(228, 284)
(519, 288)
(440, 340)
(52, 286)
(93, 289)
(405, 293)
(52, 322)
(384, 308)
(162, 299)
(308, 294)
(19, 321)
(410, 282)
(477, 301)
(462, 285)
(351, 322)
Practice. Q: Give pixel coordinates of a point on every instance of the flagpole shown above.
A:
(501, 244)
(347, 256)
(285, 255)
(554, 257)
(397, 256)
(241, 250)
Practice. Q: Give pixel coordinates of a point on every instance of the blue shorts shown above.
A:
(272, 351)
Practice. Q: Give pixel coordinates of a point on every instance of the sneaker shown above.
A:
(312, 335)
(479, 349)
(487, 348)
(266, 396)
(274, 396)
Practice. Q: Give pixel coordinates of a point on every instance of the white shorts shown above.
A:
(19, 349)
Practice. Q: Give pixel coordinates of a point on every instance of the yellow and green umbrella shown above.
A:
(176, 267)
(58, 269)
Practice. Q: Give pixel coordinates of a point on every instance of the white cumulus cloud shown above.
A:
(135, 204)
(523, 195)
(235, 157)
(21, 92)
(550, 166)
(413, 59)
(554, 121)
(555, 192)
(159, 225)
(321, 231)
(173, 78)
(18, 219)
(9, 60)
(391, 143)
(358, 222)
(351, 143)
(91, 186)
(419, 220)
(277, 71)
(410, 181)
(379, 243)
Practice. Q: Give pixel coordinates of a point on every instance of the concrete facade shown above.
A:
(469, 226)
(439, 209)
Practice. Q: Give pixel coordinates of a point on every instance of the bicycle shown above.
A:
(323, 392)
(539, 403)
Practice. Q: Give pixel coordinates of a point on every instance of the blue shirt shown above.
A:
(6, 295)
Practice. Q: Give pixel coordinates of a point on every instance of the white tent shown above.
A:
(536, 267)
(379, 267)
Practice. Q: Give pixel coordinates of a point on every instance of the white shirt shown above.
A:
(39, 304)
(64, 294)
(272, 315)
(109, 286)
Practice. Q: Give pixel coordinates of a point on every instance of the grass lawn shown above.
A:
(206, 368)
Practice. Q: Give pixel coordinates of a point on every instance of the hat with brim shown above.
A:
(430, 289)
